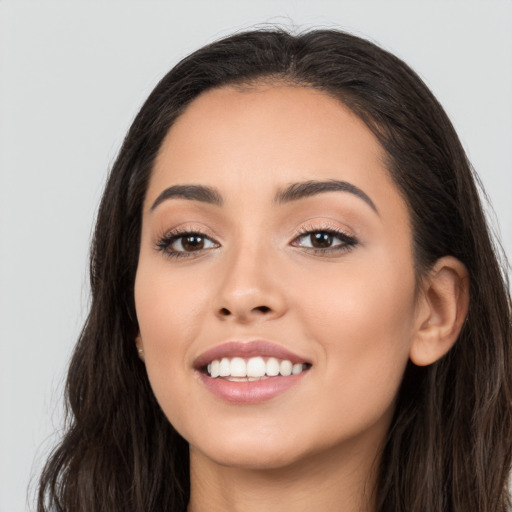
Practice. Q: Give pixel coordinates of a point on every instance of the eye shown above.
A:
(319, 240)
(324, 240)
(184, 243)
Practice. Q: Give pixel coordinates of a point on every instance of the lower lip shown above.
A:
(250, 392)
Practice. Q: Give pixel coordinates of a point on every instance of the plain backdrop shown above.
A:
(72, 76)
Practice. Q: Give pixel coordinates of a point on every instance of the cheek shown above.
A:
(167, 302)
(363, 321)
(360, 305)
(170, 313)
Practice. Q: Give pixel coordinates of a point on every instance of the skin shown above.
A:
(353, 311)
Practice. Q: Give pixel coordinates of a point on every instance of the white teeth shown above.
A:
(285, 368)
(254, 368)
(214, 369)
(224, 367)
(297, 368)
(238, 367)
(272, 367)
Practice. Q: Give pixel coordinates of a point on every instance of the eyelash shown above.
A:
(348, 242)
(164, 243)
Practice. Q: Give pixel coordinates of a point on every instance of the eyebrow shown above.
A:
(192, 192)
(304, 189)
(292, 192)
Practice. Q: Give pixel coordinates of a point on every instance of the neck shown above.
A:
(335, 481)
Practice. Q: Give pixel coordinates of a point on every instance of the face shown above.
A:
(274, 241)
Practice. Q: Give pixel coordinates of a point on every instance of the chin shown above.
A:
(250, 450)
(263, 458)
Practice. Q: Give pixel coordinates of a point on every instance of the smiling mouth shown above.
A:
(238, 369)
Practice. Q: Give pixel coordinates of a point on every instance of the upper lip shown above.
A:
(248, 349)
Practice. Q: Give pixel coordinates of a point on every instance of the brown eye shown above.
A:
(192, 242)
(321, 240)
(185, 243)
(325, 241)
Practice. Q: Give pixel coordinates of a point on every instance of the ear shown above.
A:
(140, 347)
(441, 312)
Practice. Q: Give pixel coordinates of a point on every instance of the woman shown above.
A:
(295, 299)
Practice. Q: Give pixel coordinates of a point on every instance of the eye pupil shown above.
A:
(321, 240)
(192, 242)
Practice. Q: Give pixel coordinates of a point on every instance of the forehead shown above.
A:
(265, 137)
(292, 121)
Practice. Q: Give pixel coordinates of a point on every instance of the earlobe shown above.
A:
(140, 348)
(441, 311)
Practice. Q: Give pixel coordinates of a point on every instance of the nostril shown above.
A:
(262, 309)
(225, 312)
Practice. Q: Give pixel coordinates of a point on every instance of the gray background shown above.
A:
(72, 76)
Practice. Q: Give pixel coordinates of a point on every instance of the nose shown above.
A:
(249, 288)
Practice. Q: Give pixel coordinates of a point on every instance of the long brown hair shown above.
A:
(450, 444)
